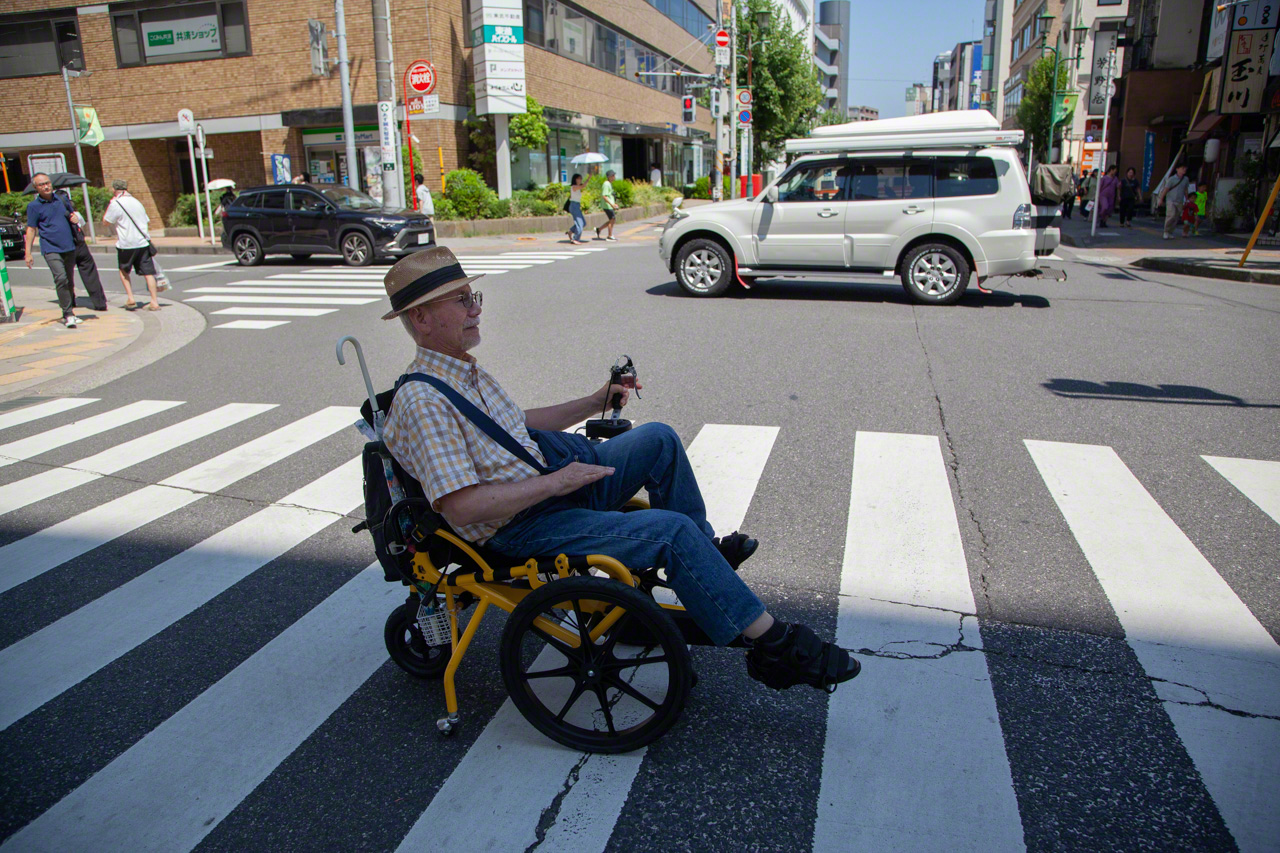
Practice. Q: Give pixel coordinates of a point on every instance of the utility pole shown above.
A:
(67, 74)
(344, 76)
(383, 60)
(733, 100)
(1110, 90)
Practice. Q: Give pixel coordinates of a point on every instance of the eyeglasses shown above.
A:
(475, 297)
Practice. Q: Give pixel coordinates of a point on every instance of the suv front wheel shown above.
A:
(357, 251)
(935, 274)
(704, 268)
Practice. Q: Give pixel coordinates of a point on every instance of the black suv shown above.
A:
(305, 220)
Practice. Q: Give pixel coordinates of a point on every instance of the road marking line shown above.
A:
(209, 266)
(16, 451)
(284, 300)
(285, 291)
(129, 615)
(301, 282)
(1194, 637)
(252, 324)
(275, 312)
(904, 586)
(1257, 479)
(511, 757)
(170, 789)
(47, 409)
(47, 484)
(33, 555)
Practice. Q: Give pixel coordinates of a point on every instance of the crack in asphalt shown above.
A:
(953, 464)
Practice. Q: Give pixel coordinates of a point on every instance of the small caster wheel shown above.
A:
(446, 725)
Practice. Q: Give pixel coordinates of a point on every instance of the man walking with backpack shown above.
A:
(133, 242)
(55, 221)
(1174, 196)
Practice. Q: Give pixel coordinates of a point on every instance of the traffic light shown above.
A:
(690, 109)
(717, 106)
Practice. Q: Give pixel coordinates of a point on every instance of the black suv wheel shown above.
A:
(357, 251)
(247, 249)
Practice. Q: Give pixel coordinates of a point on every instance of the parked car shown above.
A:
(12, 238)
(305, 220)
(938, 200)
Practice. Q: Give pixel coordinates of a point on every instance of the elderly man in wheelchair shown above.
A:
(543, 523)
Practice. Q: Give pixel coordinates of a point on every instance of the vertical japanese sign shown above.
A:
(975, 79)
(1103, 44)
(1248, 58)
(497, 32)
(1148, 159)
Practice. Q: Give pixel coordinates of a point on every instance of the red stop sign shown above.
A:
(722, 38)
(422, 77)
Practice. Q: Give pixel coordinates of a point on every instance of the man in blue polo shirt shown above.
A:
(50, 216)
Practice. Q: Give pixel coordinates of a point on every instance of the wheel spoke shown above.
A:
(604, 706)
(614, 633)
(553, 673)
(626, 688)
(578, 688)
(569, 652)
(584, 633)
(632, 663)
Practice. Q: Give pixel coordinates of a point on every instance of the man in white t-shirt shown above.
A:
(133, 243)
(655, 176)
(423, 195)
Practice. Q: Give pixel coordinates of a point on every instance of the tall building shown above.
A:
(998, 21)
(966, 76)
(245, 68)
(919, 98)
(831, 53)
(1088, 28)
(857, 113)
(1033, 26)
(941, 82)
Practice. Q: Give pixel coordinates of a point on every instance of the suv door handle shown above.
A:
(911, 208)
(826, 214)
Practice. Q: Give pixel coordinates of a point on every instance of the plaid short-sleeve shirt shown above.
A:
(441, 448)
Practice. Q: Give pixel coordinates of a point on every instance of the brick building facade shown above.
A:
(255, 95)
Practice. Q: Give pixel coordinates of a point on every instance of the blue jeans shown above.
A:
(674, 534)
(579, 221)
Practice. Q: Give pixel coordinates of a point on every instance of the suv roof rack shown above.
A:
(953, 129)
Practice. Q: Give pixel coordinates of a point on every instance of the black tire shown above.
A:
(301, 256)
(935, 274)
(408, 649)
(704, 268)
(357, 251)
(247, 249)
(595, 699)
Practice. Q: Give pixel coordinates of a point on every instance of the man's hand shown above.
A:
(604, 397)
(575, 475)
(30, 260)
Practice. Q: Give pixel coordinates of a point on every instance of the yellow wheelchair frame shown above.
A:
(599, 591)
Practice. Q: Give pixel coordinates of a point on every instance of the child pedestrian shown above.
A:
(1189, 213)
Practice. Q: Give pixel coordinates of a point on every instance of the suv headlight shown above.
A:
(1022, 217)
(387, 223)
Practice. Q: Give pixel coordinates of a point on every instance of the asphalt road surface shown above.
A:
(1046, 519)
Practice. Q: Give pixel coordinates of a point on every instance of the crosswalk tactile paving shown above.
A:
(41, 344)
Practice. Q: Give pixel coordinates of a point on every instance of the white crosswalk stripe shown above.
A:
(16, 451)
(256, 325)
(36, 554)
(900, 769)
(1187, 627)
(266, 311)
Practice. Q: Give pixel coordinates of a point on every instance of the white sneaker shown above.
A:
(1167, 237)
(71, 321)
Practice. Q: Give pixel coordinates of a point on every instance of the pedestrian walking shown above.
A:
(1069, 197)
(85, 263)
(1174, 197)
(575, 210)
(228, 196)
(426, 204)
(134, 250)
(609, 204)
(1191, 213)
(1108, 192)
(1087, 196)
(655, 175)
(1130, 197)
(55, 220)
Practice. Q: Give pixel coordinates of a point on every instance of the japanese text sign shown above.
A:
(1245, 71)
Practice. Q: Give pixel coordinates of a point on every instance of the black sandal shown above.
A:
(736, 548)
(801, 658)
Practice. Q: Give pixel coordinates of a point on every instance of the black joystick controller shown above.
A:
(622, 373)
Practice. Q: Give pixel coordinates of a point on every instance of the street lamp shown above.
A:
(67, 74)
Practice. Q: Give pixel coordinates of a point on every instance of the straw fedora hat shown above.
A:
(423, 276)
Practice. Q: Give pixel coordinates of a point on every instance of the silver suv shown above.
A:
(922, 199)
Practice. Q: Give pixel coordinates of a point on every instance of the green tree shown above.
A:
(528, 130)
(1035, 112)
(786, 94)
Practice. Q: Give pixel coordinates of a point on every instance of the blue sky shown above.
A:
(893, 45)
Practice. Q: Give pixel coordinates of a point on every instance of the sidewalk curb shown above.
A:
(1202, 270)
(109, 249)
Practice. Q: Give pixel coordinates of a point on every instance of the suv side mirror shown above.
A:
(771, 195)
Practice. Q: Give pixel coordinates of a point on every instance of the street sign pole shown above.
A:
(1111, 90)
(204, 170)
(725, 112)
(344, 77)
(733, 98)
(75, 139)
(187, 124)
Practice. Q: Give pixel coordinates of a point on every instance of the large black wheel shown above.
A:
(704, 268)
(935, 274)
(408, 649)
(602, 695)
(247, 249)
(357, 251)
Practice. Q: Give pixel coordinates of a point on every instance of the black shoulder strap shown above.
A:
(486, 424)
